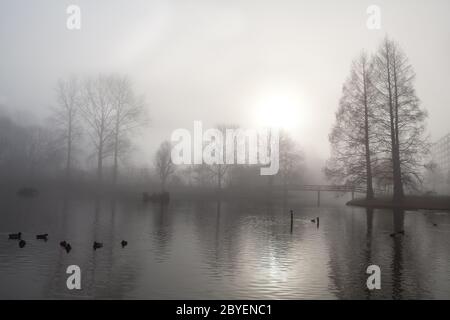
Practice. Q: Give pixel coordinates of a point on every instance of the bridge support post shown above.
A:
(318, 198)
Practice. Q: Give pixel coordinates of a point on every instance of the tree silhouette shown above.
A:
(98, 113)
(352, 135)
(65, 116)
(163, 163)
(401, 120)
(128, 116)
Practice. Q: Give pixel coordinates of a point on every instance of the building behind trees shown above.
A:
(440, 171)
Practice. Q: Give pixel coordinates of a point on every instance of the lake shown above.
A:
(226, 250)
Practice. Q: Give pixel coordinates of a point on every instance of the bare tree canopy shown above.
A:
(401, 121)
(163, 163)
(352, 135)
(98, 113)
(380, 126)
(112, 112)
(291, 159)
(129, 115)
(66, 115)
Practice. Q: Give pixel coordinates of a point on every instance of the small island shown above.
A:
(410, 202)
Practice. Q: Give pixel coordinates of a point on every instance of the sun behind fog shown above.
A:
(278, 111)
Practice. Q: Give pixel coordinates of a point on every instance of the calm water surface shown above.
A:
(227, 250)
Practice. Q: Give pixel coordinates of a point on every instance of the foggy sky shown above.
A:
(211, 60)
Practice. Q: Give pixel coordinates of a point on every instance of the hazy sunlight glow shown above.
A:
(279, 111)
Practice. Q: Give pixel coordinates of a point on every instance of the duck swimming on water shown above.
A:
(15, 236)
(97, 245)
(42, 236)
(316, 220)
(66, 246)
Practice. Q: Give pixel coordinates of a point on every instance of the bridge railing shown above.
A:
(332, 188)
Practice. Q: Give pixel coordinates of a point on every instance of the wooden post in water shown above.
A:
(292, 220)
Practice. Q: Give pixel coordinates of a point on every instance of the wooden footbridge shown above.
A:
(329, 188)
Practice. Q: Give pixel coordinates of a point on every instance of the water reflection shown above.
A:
(397, 255)
(222, 250)
(368, 249)
(162, 233)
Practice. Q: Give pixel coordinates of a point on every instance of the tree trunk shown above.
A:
(116, 153)
(219, 178)
(100, 158)
(163, 184)
(396, 173)
(69, 150)
(398, 183)
(100, 164)
(369, 187)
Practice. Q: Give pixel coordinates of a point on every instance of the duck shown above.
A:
(316, 220)
(66, 246)
(15, 236)
(435, 224)
(22, 243)
(97, 245)
(42, 236)
(124, 243)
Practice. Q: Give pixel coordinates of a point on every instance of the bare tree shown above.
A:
(290, 161)
(352, 137)
(128, 116)
(220, 170)
(402, 122)
(65, 116)
(163, 163)
(27, 152)
(99, 115)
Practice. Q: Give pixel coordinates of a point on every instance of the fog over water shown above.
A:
(88, 175)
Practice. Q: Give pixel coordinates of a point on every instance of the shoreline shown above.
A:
(408, 203)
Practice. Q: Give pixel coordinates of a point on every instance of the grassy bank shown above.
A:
(408, 203)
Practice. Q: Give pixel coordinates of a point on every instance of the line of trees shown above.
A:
(94, 120)
(379, 133)
(27, 151)
(102, 112)
(235, 176)
(106, 109)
